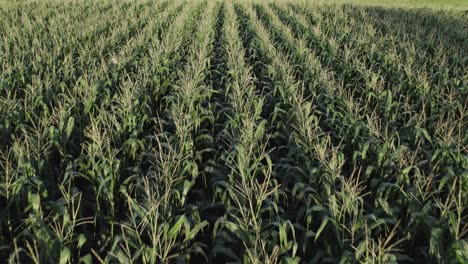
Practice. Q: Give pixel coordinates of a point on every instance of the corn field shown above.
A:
(172, 131)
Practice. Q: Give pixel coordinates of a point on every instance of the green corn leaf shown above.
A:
(64, 256)
(195, 230)
(322, 226)
(177, 227)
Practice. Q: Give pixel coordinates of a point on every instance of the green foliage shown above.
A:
(232, 131)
